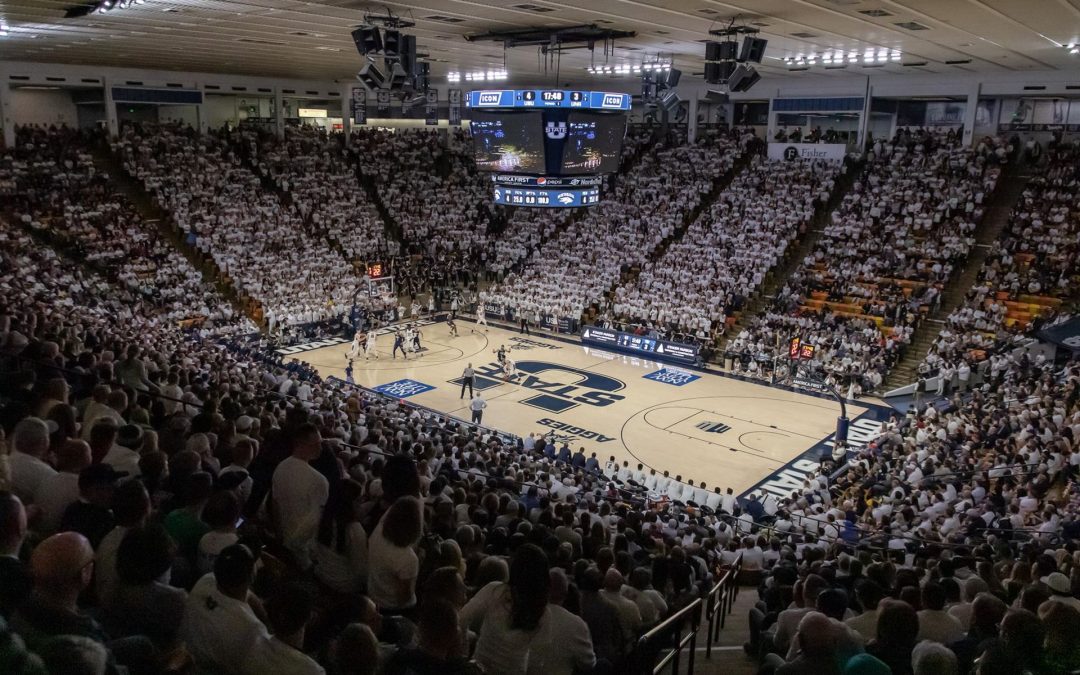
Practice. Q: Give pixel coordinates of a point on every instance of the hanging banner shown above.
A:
(431, 110)
(830, 152)
(383, 99)
(454, 98)
(359, 105)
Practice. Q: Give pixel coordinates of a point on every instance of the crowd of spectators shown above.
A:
(55, 189)
(311, 167)
(880, 265)
(572, 271)
(947, 546)
(171, 504)
(265, 250)
(1030, 269)
(723, 257)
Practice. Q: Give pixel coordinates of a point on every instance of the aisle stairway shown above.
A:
(793, 256)
(145, 205)
(1011, 186)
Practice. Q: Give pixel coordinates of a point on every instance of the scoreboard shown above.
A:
(546, 197)
(547, 147)
(548, 98)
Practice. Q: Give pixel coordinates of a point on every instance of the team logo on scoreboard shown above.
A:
(489, 98)
(555, 130)
(565, 198)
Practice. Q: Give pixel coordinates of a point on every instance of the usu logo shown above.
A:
(612, 101)
(588, 388)
(490, 98)
(555, 130)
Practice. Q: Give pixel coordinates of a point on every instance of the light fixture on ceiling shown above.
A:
(1073, 47)
(492, 75)
(628, 69)
(838, 59)
(4, 30)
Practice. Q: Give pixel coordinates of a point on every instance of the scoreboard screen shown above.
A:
(544, 197)
(508, 141)
(593, 143)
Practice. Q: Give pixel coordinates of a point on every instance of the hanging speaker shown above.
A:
(670, 101)
(743, 78)
(717, 73)
(753, 49)
(671, 78)
(712, 51)
(371, 76)
(367, 39)
(391, 42)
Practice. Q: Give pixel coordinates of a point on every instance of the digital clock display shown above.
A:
(553, 96)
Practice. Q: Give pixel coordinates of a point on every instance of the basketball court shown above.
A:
(701, 425)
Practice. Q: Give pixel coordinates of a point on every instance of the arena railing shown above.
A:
(669, 635)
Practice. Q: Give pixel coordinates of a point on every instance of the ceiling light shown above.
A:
(1074, 50)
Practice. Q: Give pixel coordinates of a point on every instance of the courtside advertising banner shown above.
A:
(829, 152)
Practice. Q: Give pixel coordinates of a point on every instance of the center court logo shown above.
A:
(713, 427)
(555, 396)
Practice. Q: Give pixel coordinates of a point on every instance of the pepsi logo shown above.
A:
(541, 181)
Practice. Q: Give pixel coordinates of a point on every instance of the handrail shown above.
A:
(717, 603)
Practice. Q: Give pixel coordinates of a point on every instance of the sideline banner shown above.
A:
(661, 350)
(830, 152)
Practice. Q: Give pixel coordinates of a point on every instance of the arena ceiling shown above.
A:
(292, 38)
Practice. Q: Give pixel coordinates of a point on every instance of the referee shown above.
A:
(467, 376)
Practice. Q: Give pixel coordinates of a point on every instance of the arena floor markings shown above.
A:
(700, 425)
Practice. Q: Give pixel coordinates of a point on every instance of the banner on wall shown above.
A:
(431, 108)
(383, 102)
(829, 152)
(454, 99)
(359, 105)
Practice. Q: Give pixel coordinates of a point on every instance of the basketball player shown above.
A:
(500, 355)
(354, 350)
(509, 369)
(369, 345)
(416, 335)
(399, 343)
(452, 326)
